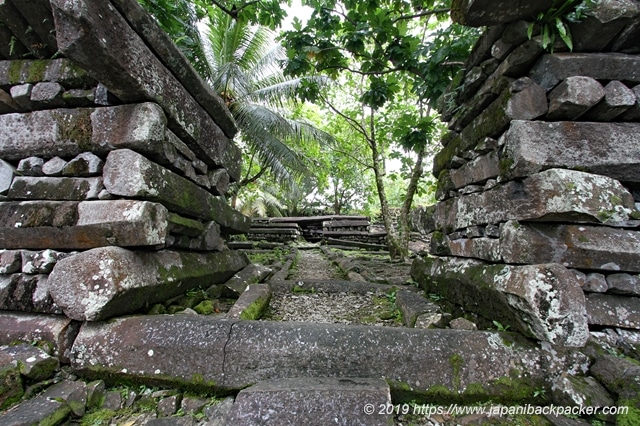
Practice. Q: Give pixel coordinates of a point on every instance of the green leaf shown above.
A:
(530, 30)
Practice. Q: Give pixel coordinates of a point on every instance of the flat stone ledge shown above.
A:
(553, 68)
(608, 149)
(227, 354)
(317, 401)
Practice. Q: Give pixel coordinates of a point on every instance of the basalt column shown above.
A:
(114, 161)
(539, 176)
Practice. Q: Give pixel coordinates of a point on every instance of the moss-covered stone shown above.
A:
(206, 307)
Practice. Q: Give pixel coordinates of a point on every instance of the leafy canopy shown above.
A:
(381, 39)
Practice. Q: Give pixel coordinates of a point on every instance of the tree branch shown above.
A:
(421, 14)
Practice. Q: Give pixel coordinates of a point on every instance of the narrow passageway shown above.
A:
(314, 265)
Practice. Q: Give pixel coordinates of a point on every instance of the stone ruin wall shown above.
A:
(536, 224)
(113, 160)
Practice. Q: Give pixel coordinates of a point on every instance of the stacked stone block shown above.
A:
(539, 176)
(114, 160)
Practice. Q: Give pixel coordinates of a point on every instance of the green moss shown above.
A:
(632, 417)
(98, 418)
(255, 310)
(616, 200)
(456, 361)
(206, 307)
(506, 164)
(75, 126)
(635, 215)
(37, 70)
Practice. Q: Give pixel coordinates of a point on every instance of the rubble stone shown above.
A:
(251, 303)
(33, 362)
(47, 95)
(624, 284)
(7, 173)
(605, 20)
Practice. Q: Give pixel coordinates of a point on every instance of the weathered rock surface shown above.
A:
(552, 195)
(61, 70)
(479, 248)
(55, 332)
(88, 36)
(49, 408)
(605, 20)
(574, 246)
(576, 391)
(542, 301)
(553, 68)
(609, 149)
(70, 132)
(33, 362)
(129, 174)
(226, 354)
(55, 188)
(412, 305)
(617, 99)
(7, 173)
(478, 13)
(619, 376)
(573, 97)
(143, 23)
(313, 402)
(613, 310)
(251, 303)
(88, 224)
(101, 283)
(624, 284)
(252, 274)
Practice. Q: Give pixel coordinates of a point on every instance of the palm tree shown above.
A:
(246, 71)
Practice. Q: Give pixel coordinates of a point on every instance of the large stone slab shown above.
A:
(613, 310)
(95, 35)
(478, 13)
(608, 149)
(552, 195)
(109, 281)
(224, 354)
(70, 132)
(129, 174)
(551, 69)
(316, 401)
(543, 301)
(164, 48)
(574, 246)
(61, 70)
(56, 333)
(54, 188)
(84, 225)
(26, 293)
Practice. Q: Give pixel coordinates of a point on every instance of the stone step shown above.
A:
(318, 401)
(226, 355)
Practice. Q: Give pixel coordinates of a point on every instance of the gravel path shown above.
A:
(313, 265)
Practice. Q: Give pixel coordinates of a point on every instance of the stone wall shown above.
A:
(539, 176)
(114, 160)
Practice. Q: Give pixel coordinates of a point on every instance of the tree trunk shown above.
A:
(395, 249)
(403, 221)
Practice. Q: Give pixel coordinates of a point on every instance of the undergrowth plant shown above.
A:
(554, 22)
